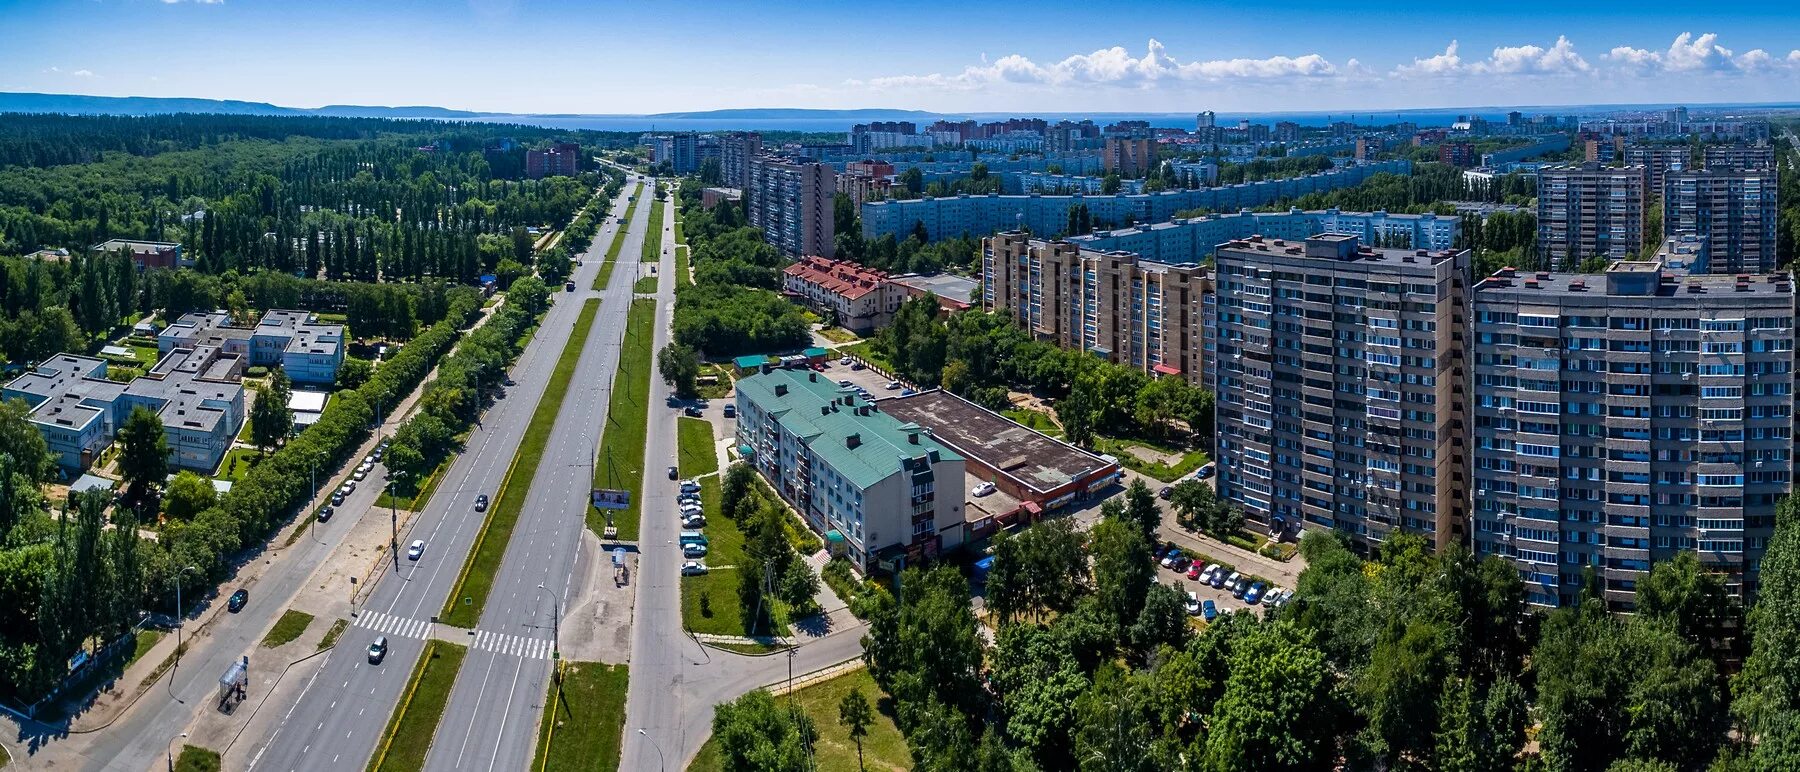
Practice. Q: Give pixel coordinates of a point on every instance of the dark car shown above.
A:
(237, 601)
(1167, 491)
(731, 411)
(508, 381)
(692, 412)
(325, 513)
(378, 650)
(568, 286)
(481, 503)
(674, 474)
(337, 497)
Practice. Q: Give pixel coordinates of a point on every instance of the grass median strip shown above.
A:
(621, 464)
(415, 720)
(653, 237)
(618, 243)
(645, 286)
(490, 547)
(584, 719)
(290, 626)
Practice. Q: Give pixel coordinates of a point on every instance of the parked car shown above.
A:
(843, 360)
(843, 381)
(360, 474)
(893, 386)
(1182, 563)
(692, 412)
(417, 549)
(693, 551)
(1254, 595)
(857, 365)
(237, 600)
(1218, 578)
(1193, 603)
(378, 650)
(674, 474)
(325, 513)
(1193, 571)
(348, 487)
(908, 392)
(1165, 492)
(690, 486)
(693, 522)
(507, 381)
(731, 411)
(1206, 574)
(1169, 559)
(693, 568)
(568, 286)
(1239, 589)
(1206, 470)
(379, 452)
(1209, 610)
(337, 497)
(984, 489)
(481, 503)
(1230, 583)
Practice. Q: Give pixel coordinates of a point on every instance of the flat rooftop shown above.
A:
(1513, 283)
(944, 285)
(997, 442)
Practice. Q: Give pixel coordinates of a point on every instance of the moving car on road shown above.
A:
(481, 503)
(237, 601)
(674, 474)
(418, 548)
(568, 286)
(378, 650)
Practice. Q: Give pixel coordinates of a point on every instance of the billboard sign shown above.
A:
(607, 498)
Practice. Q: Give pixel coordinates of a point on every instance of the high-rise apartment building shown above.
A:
(1658, 161)
(791, 202)
(1587, 210)
(1740, 157)
(1129, 156)
(561, 160)
(1731, 213)
(685, 152)
(1620, 420)
(1146, 314)
(735, 151)
(1341, 387)
(1287, 131)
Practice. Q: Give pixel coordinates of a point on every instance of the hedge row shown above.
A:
(266, 497)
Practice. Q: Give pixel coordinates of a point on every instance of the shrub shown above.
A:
(256, 371)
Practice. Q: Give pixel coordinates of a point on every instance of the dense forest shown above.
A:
(734, 305)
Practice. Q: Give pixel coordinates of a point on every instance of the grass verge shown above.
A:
(290, 626)
(866, 350)
(584, 719)
(709, 603)
(839, 335)
(1189, 460)
(237, 463)
(681, 266)
(699, 454)
(409, 731)
(145, 640)
(645, 286)
(194, 758)
(410, 498)
(621, 464)
(883, 749)
(331, 635)
(652, 249)
(490, 546)
(618, 243)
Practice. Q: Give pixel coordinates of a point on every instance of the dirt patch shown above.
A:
(1153, 456)
(597, 625)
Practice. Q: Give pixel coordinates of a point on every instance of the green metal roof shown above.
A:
(749, 361)
(806, 412)
(815, 351)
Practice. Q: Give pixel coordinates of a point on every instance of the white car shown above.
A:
(693, 522)
(361, 474)
(418, 548)
(693, 550)
(1193, 603)
(893, 385)
(348, 487)
(845, 361)
(983, 489)
(689, 510)
(693, 568)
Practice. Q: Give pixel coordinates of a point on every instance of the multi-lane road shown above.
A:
(337, 721)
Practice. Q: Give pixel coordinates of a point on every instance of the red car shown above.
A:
(1193, 571)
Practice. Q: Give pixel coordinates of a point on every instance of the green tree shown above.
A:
(1141, 509)
(189, 494)
(1038, 679)
(1115, 726)
(1042, 569)
(754, 734)
(1163, 621)
(679, 365)
(353, 373)
(143, 455)
(1690, 597)
(270, 419)
(1123, 571)
(855, 715)
(1278, 711)
(1766, 699)
(22, 440)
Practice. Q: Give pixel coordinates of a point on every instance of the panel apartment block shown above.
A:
(1731, 214)
(1341, 387)
(1620, 420)
(1587, 210)
(791, 202)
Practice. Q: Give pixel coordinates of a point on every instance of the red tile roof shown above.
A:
(838, 277)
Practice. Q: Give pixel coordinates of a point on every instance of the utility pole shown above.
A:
(394, 519)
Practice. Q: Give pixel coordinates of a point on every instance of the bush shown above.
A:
(256, 371)
(860, 596)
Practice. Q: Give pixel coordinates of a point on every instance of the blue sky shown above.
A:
(611, 56)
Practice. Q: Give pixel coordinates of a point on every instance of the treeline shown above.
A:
(452, 401)
(733, 307)
(1787, 222)
(554, 264)
(913, 254)
(983, 356)
(1273, 168)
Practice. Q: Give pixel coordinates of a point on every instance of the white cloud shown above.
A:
(1446, 63)
(1699, 54)
(1634, 58)
(82, 73)
(1689, 53)
(1113, 66)
(1559, 58)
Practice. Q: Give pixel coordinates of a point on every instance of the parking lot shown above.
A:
(1221, 597)
(875, 382)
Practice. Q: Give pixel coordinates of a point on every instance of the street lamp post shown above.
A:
(180, 613)
(394, 517)
(661, 764)
(170, 751)
(555, 623)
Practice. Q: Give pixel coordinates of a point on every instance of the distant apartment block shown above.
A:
(1658, 161)
(145, 254)
(1588, 210)
(1732, 214)
(195, 391)
(886, 488)
(1740, 157)
(310, 352)
(711, 197)
(735, 151)
(1129, 156)
(791, 202)
(1621, 419)
(1193, 239)
(860, 299)
(1341, 387)
(562, 160)
(1048, 215)
(684, 152)
(865, 181)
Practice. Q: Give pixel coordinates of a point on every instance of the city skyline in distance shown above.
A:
(548, 57)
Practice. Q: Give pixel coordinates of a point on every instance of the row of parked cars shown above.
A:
(693, 518)
(1214, 575)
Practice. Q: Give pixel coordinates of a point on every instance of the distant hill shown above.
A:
(98, 105)
(790, 113)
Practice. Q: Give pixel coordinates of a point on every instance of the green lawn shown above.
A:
(588, 717)
(681, 263)
(1191, 459)
(645, 285)
(621, 464)
(1035, 421)
(884, 748)
(839, 335)
(652, 250)
(413, 497)
(720, 614)
(618, 243)
(194, 758)
(237, 463)
(290, 626)
(415, 719)
(490, 547)
(145, 640)
(331, 635)
(866, 350)
(699, 455)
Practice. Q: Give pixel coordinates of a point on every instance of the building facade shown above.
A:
(1129, 156)
(146, 254)
(1341, 387)
(1621, 420)
(1740, 157)
(309, 351)
(1732, 214)
(560, 160)
(791, 202)
(887, 488)
(1588, 210)
(1658, 161)
(860, 299)
(735, 151)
